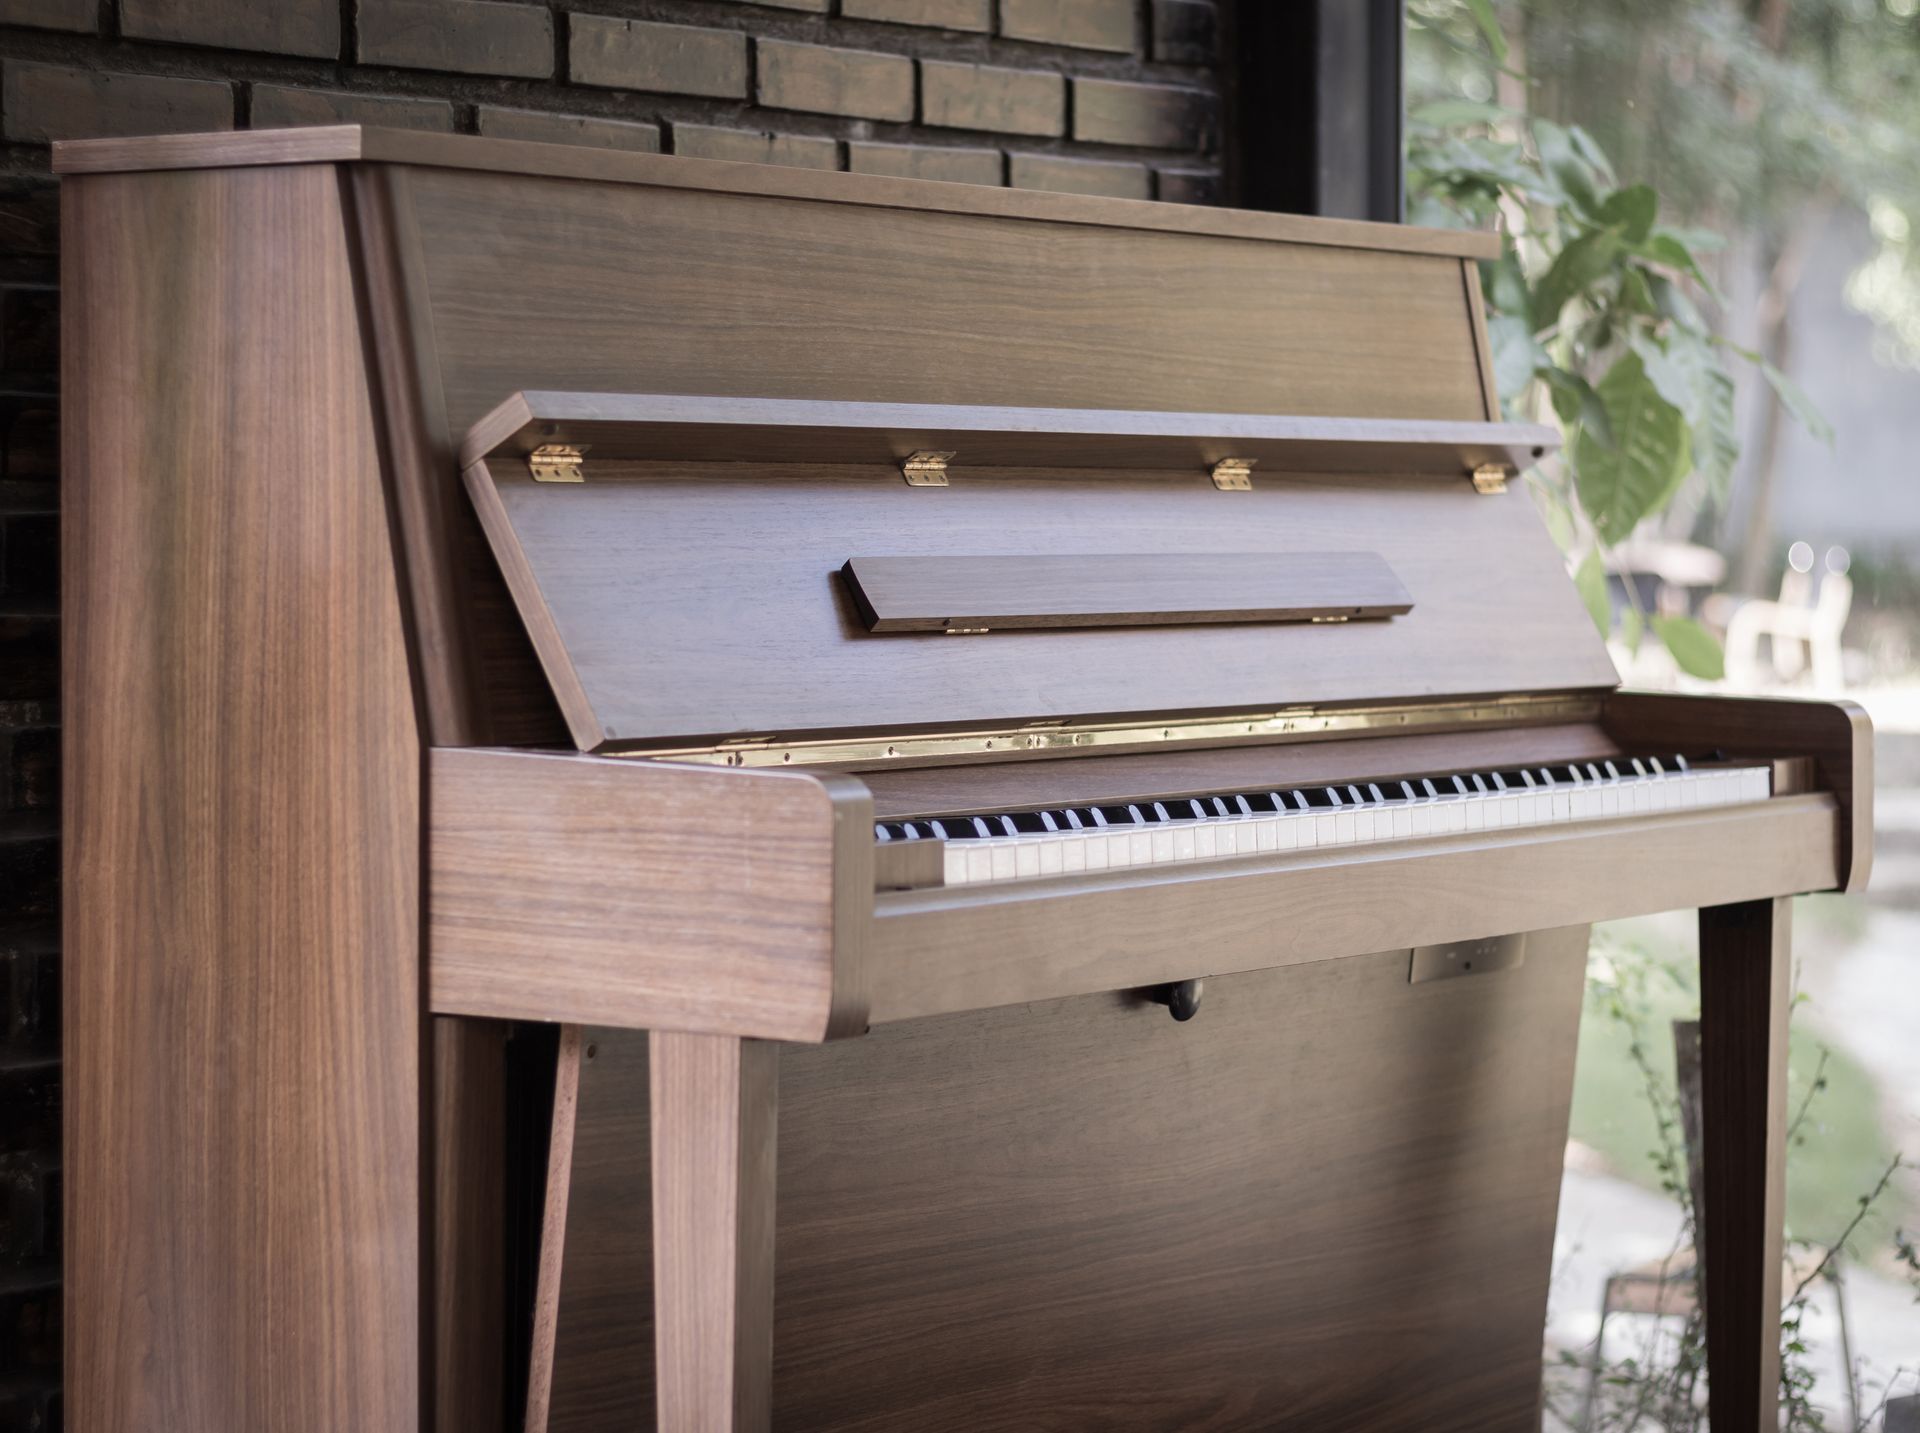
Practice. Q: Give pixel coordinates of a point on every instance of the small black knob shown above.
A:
(1182, 998)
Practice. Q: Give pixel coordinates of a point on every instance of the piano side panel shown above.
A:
(243, 979)
(1338, 1188)
(545, 283)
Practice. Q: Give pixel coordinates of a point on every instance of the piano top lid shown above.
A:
(372, 144)
(695, 579)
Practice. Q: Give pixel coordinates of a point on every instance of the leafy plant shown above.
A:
(1596, 323)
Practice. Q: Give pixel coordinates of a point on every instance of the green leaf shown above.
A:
(1716, 444)
(1562, 157)
(1799, 404)
(1575, 268)
(1489, 23)
(1693, 647)
(1515, 354)
(1576, 403)
(1504, 285)
(1622, 481)
(1666, 248)
(1632, 211)
(1591, 580)
(1630, 628)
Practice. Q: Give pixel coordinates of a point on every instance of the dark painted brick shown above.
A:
(30, 1094)
(475, 37)
(46, 102)
(821, 80)
(957, 96)
(29, 1212)
(29, 663)
(30, 874)
(1185, 32)
(32, 769)
(754, 146)
(816, 7)
(1083, 24)
(29, 1331)
(81, 16)
(1078, 176)
(29, 556)
(667, 59)
(29, 329)
(1152, 116)
(29, 997)
(29, 441)
(569, 129)
(277, 105)
(1187, 186)
(976, 15)
(924, 161)
(29, 218)
(282, 27)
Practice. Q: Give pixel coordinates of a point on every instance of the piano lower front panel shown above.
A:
(1327, 1202)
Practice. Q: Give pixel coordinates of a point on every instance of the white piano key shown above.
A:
(1476, 814)
(1343, 828)
(1139, 847)
(1425, 819)
(954, 858)
(1206, 838)
(979, 861)
(1290, 833)
(1099, 848)
(1073, 855)
(1026, 859)
(1365, 824)
(1266, 834)
(1162, 839)
(1326, 830)
(1049, 852)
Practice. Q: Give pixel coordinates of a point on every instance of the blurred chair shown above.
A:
(1664, 573)
(1802, 625)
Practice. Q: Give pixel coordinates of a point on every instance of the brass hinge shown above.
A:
(1489, 478)
(1234, 475)
(557, 463)
(926, 469)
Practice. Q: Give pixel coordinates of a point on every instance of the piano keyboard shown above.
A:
(1020, 845)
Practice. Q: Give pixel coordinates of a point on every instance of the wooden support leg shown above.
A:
(715, 1099)
(1745, 979)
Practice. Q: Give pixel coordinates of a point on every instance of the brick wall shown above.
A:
(1117, 97)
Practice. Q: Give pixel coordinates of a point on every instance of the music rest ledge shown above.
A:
(655, 698)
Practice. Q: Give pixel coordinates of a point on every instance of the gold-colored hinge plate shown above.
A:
(1234, 475)
(557, 463)
(926, 469)
(1489, 478)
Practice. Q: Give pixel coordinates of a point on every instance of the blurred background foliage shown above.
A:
(1646, 158)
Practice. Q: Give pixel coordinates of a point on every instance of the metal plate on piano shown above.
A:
(1466, 957)
(681, 605)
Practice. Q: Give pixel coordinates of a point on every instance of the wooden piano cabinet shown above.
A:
(1326, 1202)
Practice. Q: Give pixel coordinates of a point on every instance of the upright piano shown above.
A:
(711, 797)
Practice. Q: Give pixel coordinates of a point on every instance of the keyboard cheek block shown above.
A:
(987, 594)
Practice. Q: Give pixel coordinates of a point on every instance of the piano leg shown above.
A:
(714, 1103)
(1745, 982)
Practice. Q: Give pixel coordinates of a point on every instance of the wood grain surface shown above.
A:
(348, 142)
(967, 947)
(670, 427)
(1837, 735)
(714, 1122)
(243, 1027)
(736, 624)
(1326, 1202)
(643, 288)
(1746, 990)
(569, 889)
(1150, 589)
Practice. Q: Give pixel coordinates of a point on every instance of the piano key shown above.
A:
(1016, 845)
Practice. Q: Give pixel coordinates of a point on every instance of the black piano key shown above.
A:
(1150, 814)
(1613, 772)
(1048, 821)
(1460, 787)
(1320, 797)
(1157, 811)
(1220, 807)
(1517, 780)
(1118, 816)
(1258, 803)
(1027, 823)
(1357, 797)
